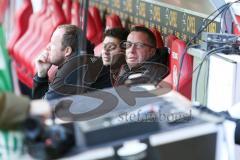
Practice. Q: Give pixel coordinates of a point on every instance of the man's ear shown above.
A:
(68, 51)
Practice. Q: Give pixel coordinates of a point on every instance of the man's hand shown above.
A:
(42, 64)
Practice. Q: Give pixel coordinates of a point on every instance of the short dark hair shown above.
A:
(148, 32)
(71, 36)
(119, 33)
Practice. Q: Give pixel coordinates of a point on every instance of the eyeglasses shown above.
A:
(138, 45)
(109, 46)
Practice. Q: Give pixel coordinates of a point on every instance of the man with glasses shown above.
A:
(143, 58)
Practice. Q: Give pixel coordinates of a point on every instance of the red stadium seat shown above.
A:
(75, 19)
(67, 6)
(20, 64)
(91, 28)
(169, 40)
(158, 37)
(113, 21)
(47, 27)
(185, 82)
(94, 11)
(168, 43)
(235, 30)
(21, 24)
(59, 1)
(34, 23)
(98, 50)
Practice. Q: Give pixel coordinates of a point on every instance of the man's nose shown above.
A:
(106, 52)
(132, 49)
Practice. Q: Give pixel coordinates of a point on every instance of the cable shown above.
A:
(196, 35)
(214, 13)
(223, 16)
(223, 20)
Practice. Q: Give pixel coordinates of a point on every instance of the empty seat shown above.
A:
(158, 37)
(168, 43)
(35, 21)
(75, 19)
(67, 6)
(21, 24)
(235, 29)
(94, 11)
(169, 40)
(185, 82)
(91, 28)
(113, 21)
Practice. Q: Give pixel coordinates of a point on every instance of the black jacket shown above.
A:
(73, 77)
(151, 71)
(77, 75)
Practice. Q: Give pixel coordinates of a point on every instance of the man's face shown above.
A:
(139, 49)
(110, 48)
(56, 54)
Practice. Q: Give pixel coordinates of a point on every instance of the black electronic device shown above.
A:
(168, 126)
(164, 123)
(119, 127)
(216, 40)
(48, 142)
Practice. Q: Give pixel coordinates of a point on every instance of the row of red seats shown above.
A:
(35, 34)
(32, 31)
